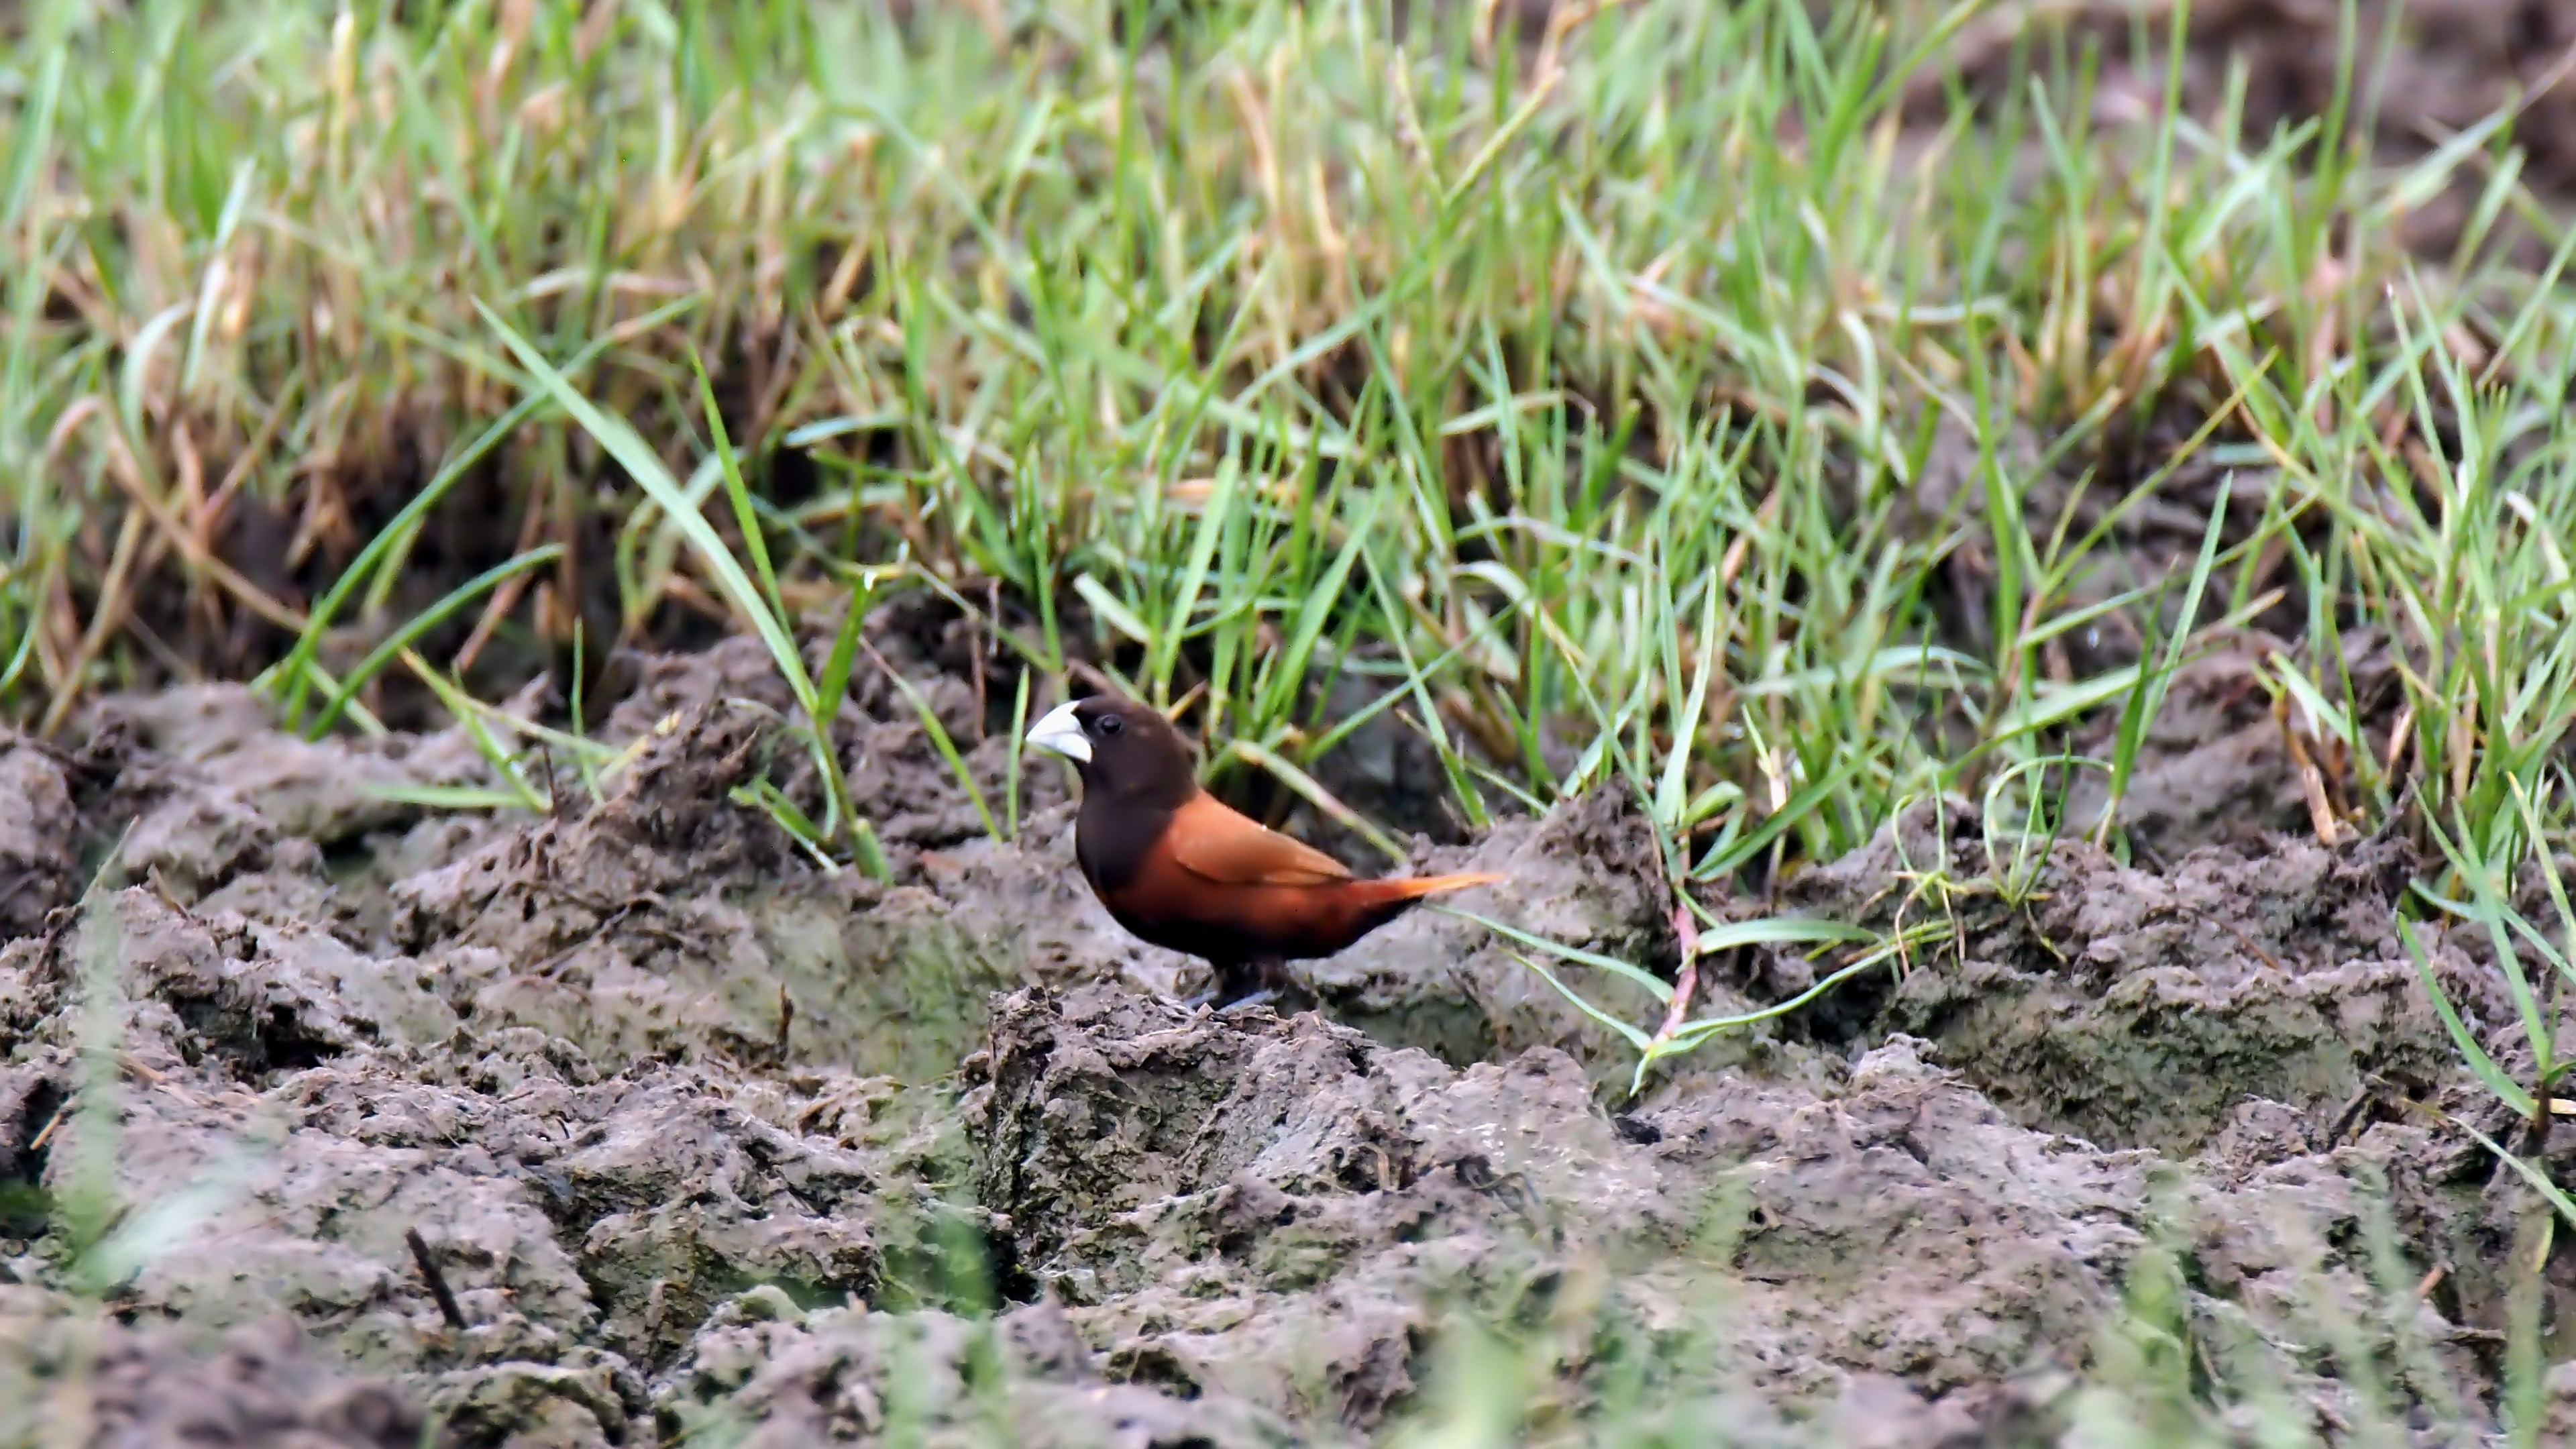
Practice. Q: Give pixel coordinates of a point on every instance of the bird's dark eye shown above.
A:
(1111, 724)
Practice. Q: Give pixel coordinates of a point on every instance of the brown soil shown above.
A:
(696, 1136)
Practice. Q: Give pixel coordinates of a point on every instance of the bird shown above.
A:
(1179, 869)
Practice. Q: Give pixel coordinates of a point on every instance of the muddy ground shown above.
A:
(700, 1141)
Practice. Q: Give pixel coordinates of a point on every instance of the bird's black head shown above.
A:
(1124, 750)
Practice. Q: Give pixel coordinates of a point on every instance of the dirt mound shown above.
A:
(781, 1377)
(2137, 1008)
(305, 1108)
(1281, 1212)
(1272, 1208)
(260, 1386)
(39, 837)
(679, 1122)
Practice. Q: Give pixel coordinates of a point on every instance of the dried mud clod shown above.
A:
(786, 1379)
(1281, 1212)
(197, 791)
(564, 880)
(39, 838)
(2215, 767)
(907, 787)
(672, 921)
(2137, 1008)
(260, 1385)
(300, 1109)
(1906, 1227)
(1269, 1209)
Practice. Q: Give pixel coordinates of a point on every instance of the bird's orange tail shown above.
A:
(1432, 885)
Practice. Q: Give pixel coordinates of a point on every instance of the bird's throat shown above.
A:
(1111, 836)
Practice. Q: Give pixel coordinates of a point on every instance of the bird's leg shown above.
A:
(1222, 991)
(1271, 985)
(1236, 981)
(1248, 983)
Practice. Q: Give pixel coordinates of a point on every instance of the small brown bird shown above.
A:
(1177, 868)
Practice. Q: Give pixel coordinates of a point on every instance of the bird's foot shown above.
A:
(1240, 987)
(1216, 999)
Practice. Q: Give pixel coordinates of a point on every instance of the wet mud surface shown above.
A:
(330, 1118)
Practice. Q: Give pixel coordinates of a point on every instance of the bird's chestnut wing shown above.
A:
(1215, 843)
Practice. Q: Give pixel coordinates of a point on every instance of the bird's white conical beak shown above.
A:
(1058, 732)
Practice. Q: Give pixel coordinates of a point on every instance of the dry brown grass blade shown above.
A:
(115, 597)
(2312, 785)
(1685, 981)
(129, 480)
(113, 604)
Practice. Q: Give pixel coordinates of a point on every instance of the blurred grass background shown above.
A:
(1741, 398)
(1727, 395)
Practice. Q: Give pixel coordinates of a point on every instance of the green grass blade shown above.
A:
(427, 619)
(2481, 1065)
(623, 443)
(1659, 988)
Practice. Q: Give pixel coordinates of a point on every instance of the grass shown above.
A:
(1729, 404)
(1628, 406)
